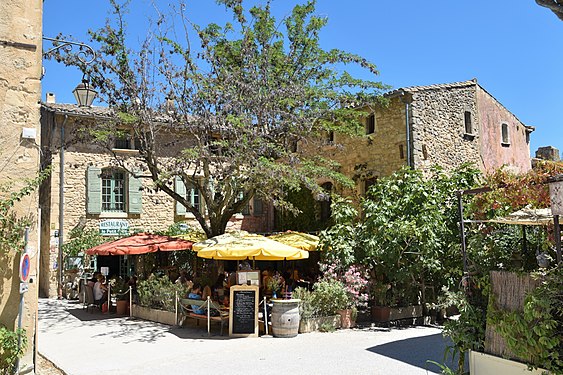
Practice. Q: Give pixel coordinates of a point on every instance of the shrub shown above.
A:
(329, 296)
(9, 351)
(159, 293)
(307, 309)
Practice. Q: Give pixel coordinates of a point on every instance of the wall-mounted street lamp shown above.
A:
(84, 93)
(556, 198)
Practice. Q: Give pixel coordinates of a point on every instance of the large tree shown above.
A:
(556, 6)
(247, 101)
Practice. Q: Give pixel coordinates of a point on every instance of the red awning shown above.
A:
(140, 243)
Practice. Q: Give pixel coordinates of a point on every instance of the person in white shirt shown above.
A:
(100, 289)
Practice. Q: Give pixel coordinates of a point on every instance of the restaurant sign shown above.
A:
(114, 227)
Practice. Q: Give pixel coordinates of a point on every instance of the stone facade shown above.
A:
(20, 90)
(158, 209)
(448, 125)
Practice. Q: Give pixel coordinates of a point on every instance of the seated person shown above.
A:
(225, 301)
(195, 294)
(100, 290)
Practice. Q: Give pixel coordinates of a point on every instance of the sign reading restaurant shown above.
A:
(114, 227)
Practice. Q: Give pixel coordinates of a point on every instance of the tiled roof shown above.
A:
(74, 110)
(440, 86)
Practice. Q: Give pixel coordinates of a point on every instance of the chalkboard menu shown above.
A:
(244, 311)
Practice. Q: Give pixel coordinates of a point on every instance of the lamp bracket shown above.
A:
(66, 43)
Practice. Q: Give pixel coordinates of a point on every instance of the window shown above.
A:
(330, 137)
(424, 152)
(125, 140)
(257, 207)
(191, 193)
(468, 124)
(368, 183)
(401, 152)
(504, 133)
(370, 124)
(113, 191)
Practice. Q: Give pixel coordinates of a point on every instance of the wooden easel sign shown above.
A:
(243, 314)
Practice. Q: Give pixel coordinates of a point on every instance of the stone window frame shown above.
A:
(468, 128)
(370, 124)
(504, 134)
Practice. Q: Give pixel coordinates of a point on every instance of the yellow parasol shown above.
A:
(303, 241)
(240, 246)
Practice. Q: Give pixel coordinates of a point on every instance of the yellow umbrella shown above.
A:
(240, 246)
(194, 236)
(303, 241)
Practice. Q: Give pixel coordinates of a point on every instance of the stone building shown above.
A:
(20, 91)
(443, 124)
(97, 194)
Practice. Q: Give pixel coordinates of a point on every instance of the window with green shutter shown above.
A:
(191, 193)
(257, 206)
(113, 190)
(94, 191)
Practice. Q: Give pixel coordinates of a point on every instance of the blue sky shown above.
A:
(513, 48)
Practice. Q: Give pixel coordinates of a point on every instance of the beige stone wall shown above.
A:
(20, 91)
(158, 209)
(373, 155)
(438, 128)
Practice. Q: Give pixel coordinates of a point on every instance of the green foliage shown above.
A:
(328, 297)
(159, 293)
(245, 94)
(536, 334)
(445, 370)
(9, 351)
(12, 226)
(467, 332)
(307, 309)
(80, 240)
(306, 219)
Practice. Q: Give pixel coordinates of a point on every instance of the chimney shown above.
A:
(50, 98)
(548, 153)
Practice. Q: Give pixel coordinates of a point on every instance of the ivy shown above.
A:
(10, 350)
(536, 333)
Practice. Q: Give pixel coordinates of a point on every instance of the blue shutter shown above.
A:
(134, 198)
(94, 191)
(180, 188)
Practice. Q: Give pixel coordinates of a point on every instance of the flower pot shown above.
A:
(122, 307)
(380, 313)
(346, 318)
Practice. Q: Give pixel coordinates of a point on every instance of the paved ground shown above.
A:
(79, 342)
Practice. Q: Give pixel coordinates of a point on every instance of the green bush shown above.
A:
(9, 351)
(306, 308)
(159, 293)
(328, 297)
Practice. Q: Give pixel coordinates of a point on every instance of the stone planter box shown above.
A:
(486, 364)
(313, 324)
(160, 316)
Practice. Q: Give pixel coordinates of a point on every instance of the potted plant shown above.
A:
(120, 289)
(381, 309)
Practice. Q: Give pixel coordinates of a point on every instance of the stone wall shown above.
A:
(495, 154)
(438, 128)
(158, 209)
(20, 90)
(373, 155)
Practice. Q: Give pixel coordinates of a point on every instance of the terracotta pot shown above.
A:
(346, 318)
(380, 313)
(121, 308)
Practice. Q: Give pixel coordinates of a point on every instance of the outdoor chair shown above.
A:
(89, 301)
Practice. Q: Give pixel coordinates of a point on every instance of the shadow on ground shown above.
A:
(417, 350)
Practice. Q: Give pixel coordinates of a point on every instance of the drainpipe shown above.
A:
(61, 205)
(406, 98)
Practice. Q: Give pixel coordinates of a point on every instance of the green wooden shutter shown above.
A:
(258, 208)
(180, 188)
(94, 190)
(134, 198)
